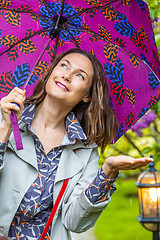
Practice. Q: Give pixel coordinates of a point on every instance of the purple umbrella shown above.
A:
(118, 32)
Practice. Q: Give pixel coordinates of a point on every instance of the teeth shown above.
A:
(59, 84)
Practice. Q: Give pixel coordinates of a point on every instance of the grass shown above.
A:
(118, 221)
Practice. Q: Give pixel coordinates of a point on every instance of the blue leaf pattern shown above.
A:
(52, 11)
(21, 74)
(141, 4)
(120, 131)
(153, 80)
(124, 27)
(144, 110)
(115, 74)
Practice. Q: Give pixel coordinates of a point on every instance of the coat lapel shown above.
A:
(69, 165)
(28, 153)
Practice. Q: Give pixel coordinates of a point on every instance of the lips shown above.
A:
(61, 85)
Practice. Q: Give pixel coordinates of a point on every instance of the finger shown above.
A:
(14, 97)
(7, 107)
(19, 90)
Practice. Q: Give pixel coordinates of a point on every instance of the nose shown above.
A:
(67, 76)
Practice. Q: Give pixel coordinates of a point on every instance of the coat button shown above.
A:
(44, 165)
(38, 187)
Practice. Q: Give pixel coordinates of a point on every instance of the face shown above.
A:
(71, 80)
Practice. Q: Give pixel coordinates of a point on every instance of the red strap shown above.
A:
(55, 206)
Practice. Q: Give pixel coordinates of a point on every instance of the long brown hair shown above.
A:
(96, 117)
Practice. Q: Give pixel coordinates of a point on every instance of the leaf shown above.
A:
(120, 132)
(137, 39)
(21, 74)
(115, 74)
(130, 119)
(8, 40)
(111, 52)
(6, 3)
(94, 3)
(35, 17)
(156, 57)
(119, 92)
(60, 42)
(131, 96)
(86, 27)
(134, 60)
(143, 34)
(51, 51)
(27, 46)
(109, 13)
(126, 3)
(6, 82)
(29, 32)
(153, 101)
(13, 18)
(105, 33)
(141, 4)
(153, 80)
(24, 8)
(143, 111)
(40, 68)
(12, 55)
(120, 42)
(124, 27)
(94, 38)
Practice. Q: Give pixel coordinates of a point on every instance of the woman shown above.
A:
(58, 146)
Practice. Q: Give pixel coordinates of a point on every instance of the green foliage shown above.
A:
(154, 8)
(119, 221)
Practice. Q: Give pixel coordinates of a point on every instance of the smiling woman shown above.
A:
(63, 122)
(87, 97)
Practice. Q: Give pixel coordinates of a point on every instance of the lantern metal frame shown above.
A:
(141, 218)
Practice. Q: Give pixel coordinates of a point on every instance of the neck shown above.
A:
(50, 114)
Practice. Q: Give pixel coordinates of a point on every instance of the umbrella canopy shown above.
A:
(118, 32)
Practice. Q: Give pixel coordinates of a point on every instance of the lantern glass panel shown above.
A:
(149, 199)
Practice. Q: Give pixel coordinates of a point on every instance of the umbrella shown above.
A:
(118, 32)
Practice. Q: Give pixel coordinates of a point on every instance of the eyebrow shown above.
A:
(78, 68)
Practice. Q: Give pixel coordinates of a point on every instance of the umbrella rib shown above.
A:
(44, 49)
(60, 14)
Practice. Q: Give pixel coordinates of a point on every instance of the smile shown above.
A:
(59, 84)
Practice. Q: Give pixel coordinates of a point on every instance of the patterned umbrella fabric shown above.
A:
(118, 32)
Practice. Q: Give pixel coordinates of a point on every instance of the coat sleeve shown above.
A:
(79, 214)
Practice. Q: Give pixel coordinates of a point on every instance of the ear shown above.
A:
(86, 99)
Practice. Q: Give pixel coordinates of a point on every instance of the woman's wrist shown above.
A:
(5, 132)
(109, 170)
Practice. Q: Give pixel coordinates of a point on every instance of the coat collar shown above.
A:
(28, 153)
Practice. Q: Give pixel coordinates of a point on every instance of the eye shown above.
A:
(64, 65)
(80, 75)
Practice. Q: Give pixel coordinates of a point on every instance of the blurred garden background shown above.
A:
(119, 221)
